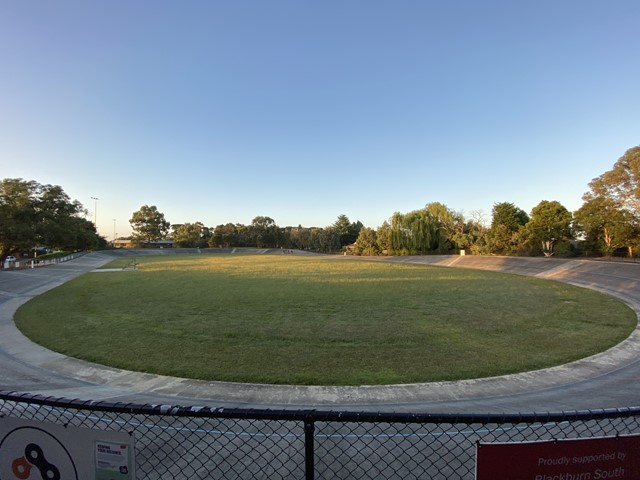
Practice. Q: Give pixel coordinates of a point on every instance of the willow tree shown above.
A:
(415, 232)
(448, 224)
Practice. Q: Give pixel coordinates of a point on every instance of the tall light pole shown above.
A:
(114, 232)
(95, 211)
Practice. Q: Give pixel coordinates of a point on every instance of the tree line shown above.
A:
(607, 223)
(434, 229)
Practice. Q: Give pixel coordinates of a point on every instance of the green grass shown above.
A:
(321, 320)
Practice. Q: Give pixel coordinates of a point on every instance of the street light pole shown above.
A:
(95, 212)
(114, 232)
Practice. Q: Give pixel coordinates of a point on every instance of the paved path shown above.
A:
(604, 381)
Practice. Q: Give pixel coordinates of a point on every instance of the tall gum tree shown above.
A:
(610, 215)
(149, 224)
(621, 184)
(264, 232)
(606, 226)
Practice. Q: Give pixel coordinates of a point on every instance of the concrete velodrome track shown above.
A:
(607, 380)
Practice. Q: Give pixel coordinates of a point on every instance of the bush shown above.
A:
(564, 249)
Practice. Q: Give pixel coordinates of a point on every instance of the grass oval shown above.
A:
(321, 321)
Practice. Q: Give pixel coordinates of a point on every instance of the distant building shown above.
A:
(123, 243)
(157, 244)
(129, 243)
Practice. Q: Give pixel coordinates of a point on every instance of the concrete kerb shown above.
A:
(96, 377)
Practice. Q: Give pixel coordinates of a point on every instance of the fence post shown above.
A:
(309, 456)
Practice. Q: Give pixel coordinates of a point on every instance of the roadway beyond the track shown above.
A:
(607, 380)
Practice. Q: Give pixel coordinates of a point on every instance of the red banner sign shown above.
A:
(610, 458)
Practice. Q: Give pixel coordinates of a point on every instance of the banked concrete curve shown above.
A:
(72, 378)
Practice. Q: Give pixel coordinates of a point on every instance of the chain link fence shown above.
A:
(203, 443)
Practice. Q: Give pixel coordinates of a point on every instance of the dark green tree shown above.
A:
(82, 236)
(58, 215)
(190, 235)
(504, 236)
(366, 243)
(299, 237)
(509, 215)
(384, 238)
(227, 235)
(348, 231)
(18, 219)
(328, 240)
(550, 223)
(41, 215)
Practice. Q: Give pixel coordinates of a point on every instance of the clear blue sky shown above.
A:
(219, 111)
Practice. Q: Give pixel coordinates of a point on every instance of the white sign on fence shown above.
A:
(37, 450)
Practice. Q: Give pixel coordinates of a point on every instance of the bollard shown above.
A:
(309, 461)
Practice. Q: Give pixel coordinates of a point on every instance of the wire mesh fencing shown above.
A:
(202, 443)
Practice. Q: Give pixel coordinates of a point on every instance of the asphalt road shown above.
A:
(607, 380)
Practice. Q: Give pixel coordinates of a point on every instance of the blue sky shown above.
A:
(220, 111)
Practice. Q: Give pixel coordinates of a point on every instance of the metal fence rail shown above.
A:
(202, 443)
